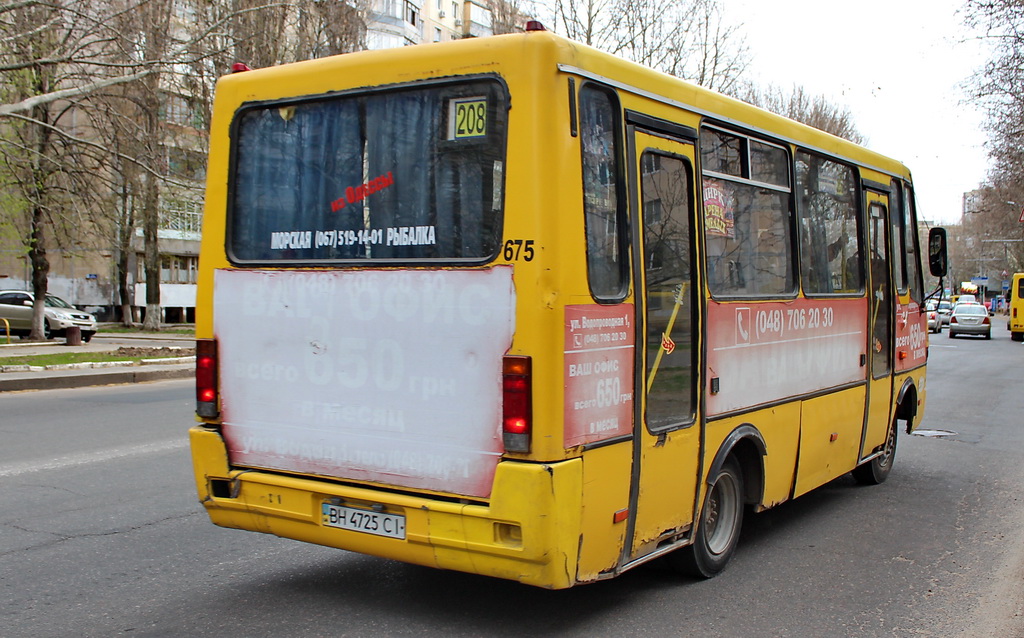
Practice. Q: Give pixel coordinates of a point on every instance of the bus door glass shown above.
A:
(880, 322)
(666, 441)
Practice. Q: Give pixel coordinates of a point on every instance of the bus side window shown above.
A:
(911, 250)
(897, 218)
(827, 207)
(747, 216)
(602, 201)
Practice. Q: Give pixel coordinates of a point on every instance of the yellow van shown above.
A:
(1015, 320)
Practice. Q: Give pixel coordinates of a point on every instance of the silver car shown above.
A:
(970, 319)
(944, 309)
(934, 318)
(16, 308)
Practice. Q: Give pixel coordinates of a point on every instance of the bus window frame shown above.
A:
(860, 218)
(622, 238)
(229, 217)
(696, 309)
(913, 282)
(900, 271)
(744, 179)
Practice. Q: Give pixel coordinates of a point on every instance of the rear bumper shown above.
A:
(527, 532)
(962, 329)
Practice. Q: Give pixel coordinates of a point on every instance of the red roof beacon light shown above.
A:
(535, 25)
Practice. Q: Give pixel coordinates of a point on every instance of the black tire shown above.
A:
(875, 471)
(951, 335)
(988, 335)
(1017, 336)
(47, 331)
(718, 528)
(86, 336)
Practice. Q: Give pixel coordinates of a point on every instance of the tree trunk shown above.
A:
(126, 228)
(150, 222)
(37, 242)
(40, 273)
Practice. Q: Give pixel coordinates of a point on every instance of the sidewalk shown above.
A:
(77, 375)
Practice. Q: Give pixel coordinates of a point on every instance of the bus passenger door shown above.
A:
(666, 424)
(880, 326)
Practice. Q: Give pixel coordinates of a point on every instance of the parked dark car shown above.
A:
(16, 308)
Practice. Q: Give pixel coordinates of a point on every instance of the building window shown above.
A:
(175, 109)
(185, 164)
(437, 34)
(174, 269)
(183, 215)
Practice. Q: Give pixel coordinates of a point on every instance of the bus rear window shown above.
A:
(401, 175)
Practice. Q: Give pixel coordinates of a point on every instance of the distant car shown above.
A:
(934, 318)
(16, 308)
(966, 299)
(944, 309)
(970, 319)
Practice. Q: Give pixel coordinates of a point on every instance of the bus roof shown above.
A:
(536, 53)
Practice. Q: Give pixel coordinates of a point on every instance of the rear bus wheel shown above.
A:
(877, 469)
(718, 529)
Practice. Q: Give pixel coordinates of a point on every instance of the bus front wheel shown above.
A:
(877, 469)
(718, 530)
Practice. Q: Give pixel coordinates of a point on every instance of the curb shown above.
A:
(97, 364)
(83, 378)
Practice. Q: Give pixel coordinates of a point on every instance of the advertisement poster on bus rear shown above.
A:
(599, 350)
(388, 376)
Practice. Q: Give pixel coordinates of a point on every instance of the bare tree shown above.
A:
(688, 39)
(46, 166)
(799, 105)
(101, 79)
(507, 16)
(998, 87)
(991, 223)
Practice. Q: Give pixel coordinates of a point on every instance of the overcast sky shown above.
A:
(898, 65)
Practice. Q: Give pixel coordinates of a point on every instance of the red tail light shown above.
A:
(206, 378)
(986, 320)
(517, 404)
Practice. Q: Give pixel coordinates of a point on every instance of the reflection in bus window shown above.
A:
(366, 177)
(670, 353)
(910, 247)
(598, 134)
(827, 210)
(748, 246)
(881, 293)
(747, 226)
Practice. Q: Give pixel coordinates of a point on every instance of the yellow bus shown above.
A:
(1015, 307)
(515, 307)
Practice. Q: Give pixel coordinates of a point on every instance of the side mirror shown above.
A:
(937, 261)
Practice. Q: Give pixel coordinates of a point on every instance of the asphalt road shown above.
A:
(101, 535)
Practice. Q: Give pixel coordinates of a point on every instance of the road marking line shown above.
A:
(85, 458)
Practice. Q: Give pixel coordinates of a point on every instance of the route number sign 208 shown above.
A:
(468, 118)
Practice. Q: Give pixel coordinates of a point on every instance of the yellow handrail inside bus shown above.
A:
(665, 335)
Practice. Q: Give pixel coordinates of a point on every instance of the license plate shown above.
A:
(358, 520)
